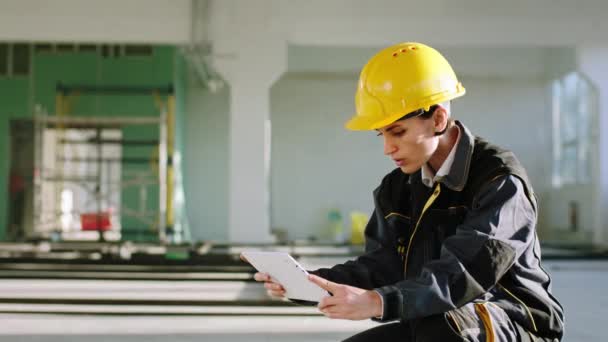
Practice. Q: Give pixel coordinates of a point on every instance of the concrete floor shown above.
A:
(579, 285)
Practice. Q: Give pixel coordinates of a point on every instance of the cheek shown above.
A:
(417, 150)
(428, 147)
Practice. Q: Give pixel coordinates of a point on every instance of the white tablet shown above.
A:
(287, 272)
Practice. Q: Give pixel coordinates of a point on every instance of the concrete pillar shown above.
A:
(592, 62)
(250, 61)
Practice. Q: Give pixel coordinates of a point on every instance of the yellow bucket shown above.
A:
(358, 222)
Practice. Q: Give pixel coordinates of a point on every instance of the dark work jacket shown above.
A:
(476, 241)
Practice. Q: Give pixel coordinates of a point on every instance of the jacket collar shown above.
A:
(458, 174)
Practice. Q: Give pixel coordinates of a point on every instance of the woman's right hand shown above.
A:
(273, 288)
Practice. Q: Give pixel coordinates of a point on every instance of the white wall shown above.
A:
(494, 46)
(334, 23)
(107, 21)
(465, 22)
(206, 173)
(494, 43)
(511, 113)
(555, 202)
(591, 60)
(557, 218)
(316, 164)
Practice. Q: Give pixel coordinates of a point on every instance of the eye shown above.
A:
(398, 133)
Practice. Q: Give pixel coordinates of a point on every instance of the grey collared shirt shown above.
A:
(428, 178)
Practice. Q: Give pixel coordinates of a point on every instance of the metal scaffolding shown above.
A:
(93, 137)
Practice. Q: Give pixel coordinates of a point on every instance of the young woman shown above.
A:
(452, 252)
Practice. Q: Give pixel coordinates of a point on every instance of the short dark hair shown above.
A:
(429, 113)
(425, 115)
(421, 113)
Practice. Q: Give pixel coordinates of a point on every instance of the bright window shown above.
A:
(574, 112)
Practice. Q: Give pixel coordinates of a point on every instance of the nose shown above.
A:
(389, 147)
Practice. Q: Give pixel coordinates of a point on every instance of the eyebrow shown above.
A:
(391, 128)
(388, 129)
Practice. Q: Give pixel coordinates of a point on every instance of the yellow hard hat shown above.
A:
(399, 80)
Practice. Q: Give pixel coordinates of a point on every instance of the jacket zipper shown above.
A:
(428, 203)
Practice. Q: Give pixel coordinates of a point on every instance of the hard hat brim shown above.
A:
(361, 123)
(368, 123)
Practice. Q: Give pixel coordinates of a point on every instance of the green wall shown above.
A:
(13, 104)
(21, 94)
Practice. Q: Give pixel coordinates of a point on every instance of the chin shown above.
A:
(408, 169)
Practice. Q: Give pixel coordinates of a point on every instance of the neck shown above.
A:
(446, 143)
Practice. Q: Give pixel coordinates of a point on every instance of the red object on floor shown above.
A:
(95, 221)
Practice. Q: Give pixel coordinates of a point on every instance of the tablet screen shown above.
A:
(287, 272)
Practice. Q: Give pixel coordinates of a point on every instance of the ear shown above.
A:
(440, 119)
